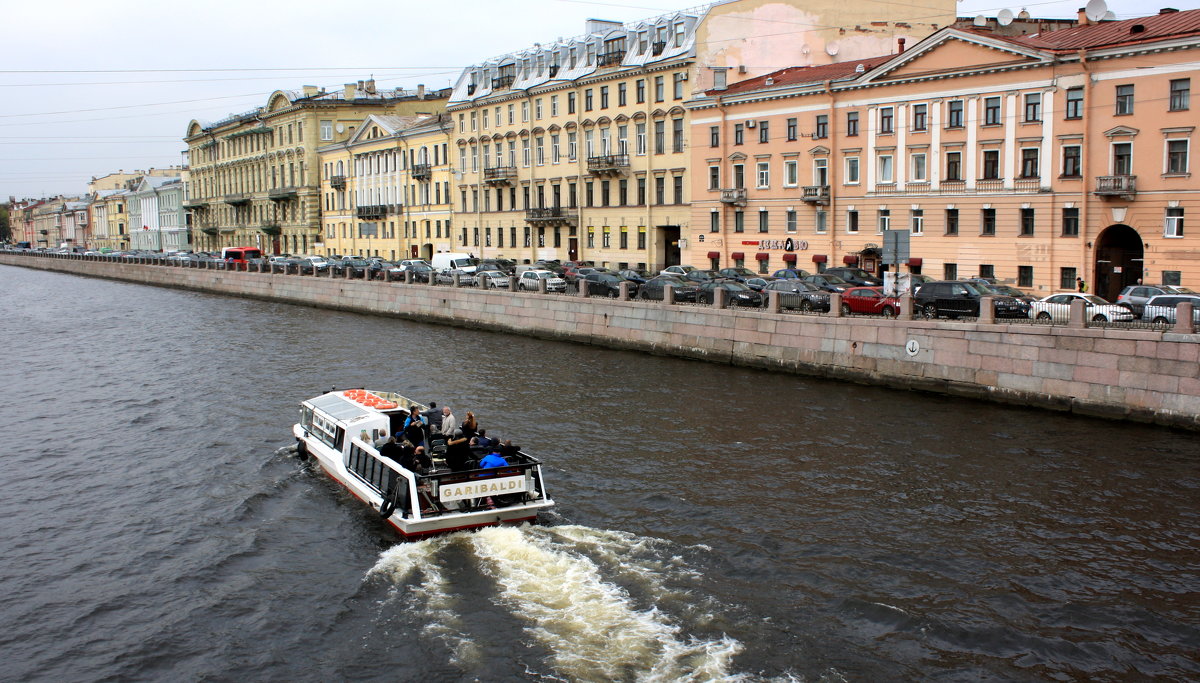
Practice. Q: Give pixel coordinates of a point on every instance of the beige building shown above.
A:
(254, 177)
(579, 149)
(386, 191)
(1030, 159)
(120, 180)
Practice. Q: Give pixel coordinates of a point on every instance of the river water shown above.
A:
(713, 523)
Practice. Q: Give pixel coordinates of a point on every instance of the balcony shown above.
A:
(210, 230)
(554, 215)
(239, 199)
(503, 82)
(657, 47)
(989, 185)
(499, 175)
(270, 228)
(953, 186)
(1120, 186)
(815, 194)
(736, 196)
(1027, 185)
(279, 194)
(195, 203)
(608, 163)
(371, 211)
(422, 172)
(613, 58)
(337, 182)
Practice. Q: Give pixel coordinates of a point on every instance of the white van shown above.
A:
(444, 263)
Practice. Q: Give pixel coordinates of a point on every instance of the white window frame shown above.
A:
(883, 220)
(791, 173)
(888, 166)
(917, 222)
(1173, 225)
(919, 172)
(1187, 156)
(762, 174)
(853, 171)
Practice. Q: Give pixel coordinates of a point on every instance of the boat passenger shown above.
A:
(434, 417)
(469, 425)
(508, 450)
(482, 441)
(458, 451)
(414, 427)
(390, 449)
(492, 460)
(383, 438)
(449, 422)
(415, 460)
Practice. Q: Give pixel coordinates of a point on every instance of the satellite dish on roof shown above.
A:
(1005, 17)
(1095, 10)
(831, 49)
(1109, 16)
(980, 20)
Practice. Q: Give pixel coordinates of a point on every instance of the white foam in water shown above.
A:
(636, 555)
(590, 625)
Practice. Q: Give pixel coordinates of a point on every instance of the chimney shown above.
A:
(1083, 20)
(1168, 10)
(900, 45)
(310, 90)
(420, 91)
(371, 86)
(349, 91)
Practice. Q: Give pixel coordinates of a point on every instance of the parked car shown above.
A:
(701, 276)
(638, 276)
(1097, 309)
(869, 301)
(790, 274)
(502, 265)
(380, 269)
(495, 279)
(739, 294)
(421, 271)
(654, 289)
(529, 281)
(738, 273)
(1161, 309)
(676, 270)
(827, 282)
(918, 279)
(573, 270)
(1134, 297)
(799, 295)
(857, 277)
(1006, 290)
(465, 278)
(311, 265)
(603, 283)
(357, 267)
(758, 283)
(955, 298)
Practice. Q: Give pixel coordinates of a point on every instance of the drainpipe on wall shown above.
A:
(831, 217)
(1084, 163)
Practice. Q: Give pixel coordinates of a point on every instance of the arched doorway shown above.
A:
(1119, 255)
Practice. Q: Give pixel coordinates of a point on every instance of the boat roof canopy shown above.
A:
(338, 407)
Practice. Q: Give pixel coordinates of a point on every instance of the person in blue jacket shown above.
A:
(492, 460)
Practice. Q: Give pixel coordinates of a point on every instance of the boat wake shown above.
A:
(597, 601)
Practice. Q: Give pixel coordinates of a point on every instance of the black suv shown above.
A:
(855, 276)
(955, 298)
(604, 283)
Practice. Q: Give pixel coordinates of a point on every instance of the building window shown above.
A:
(954, 114)
(991, 111)
(660, 137)
(587, 99)
(951, 221)
(822, 222)
(764, 134)
(822, 130)
(1122, 163)
(919, 115)
(954, 166)
(1177, 156)
(852, 170)
(886, 172)
(739, 176)
(1070, 222)
(622, 94)
(677, 135)
(677, 188)
(659, 89)
(991, 164)
(917, 221)
(851, 123)
(714, 221)
(1074, 108)
(739, 133)
(1124, 100)
(791, 221)
(1172, 277)
(570, 106)
(714, 136)
(851, 221)
(1066, 278)
(604, 97)
(764, 266)
(764, 174)
(1024, 276)
(624, 238)
(1181, 94)
(714, 177)
(987, 222)
(327, 130)
(640, 88)
(1174, 222)
(739, 221)
(886, 120)
(919, 174)
(791, 129)
(763, 221)
(1072, 159)
(949, 271)
(1029, 162)
(1033, 107)
(1027, 222)
(987, 271)
(791, 173)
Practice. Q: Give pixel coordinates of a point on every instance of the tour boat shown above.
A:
(338, 430)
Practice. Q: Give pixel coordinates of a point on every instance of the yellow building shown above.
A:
(386, 191)
(109, 220)
(254, 179)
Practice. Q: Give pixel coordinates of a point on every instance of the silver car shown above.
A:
(529, 281)
(1161, 309)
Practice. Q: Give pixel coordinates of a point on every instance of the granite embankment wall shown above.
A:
(1144, 375)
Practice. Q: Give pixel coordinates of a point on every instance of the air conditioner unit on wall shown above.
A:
(750, 124)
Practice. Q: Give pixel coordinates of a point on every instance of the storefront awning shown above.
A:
(790, 258)
(850, 259)
(738, 256)
(914, 262)
(714, 254)
(820, 258)
(760, 256)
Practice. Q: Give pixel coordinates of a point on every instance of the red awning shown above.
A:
(761, 256)
(790, 258)
(914, 262)
(738, 256)
(850, 259)
(714, 254)
(820, 258)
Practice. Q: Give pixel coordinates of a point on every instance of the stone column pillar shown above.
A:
(1078, 317)
(624, 291)
(541, 286)
(720, 298)
(773, 301)
(583, 287)
(1184, 322)
(454, 280)
(512, 283)
(408, 276)
(835, 304)
(987, 310)
(669, 295)
(906, 307)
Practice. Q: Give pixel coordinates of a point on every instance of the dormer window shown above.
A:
(679, 34)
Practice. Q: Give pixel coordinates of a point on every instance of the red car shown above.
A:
(869, 300)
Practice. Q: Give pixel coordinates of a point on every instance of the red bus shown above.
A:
(240, 254)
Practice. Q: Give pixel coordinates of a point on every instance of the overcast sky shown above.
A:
(92, 88)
